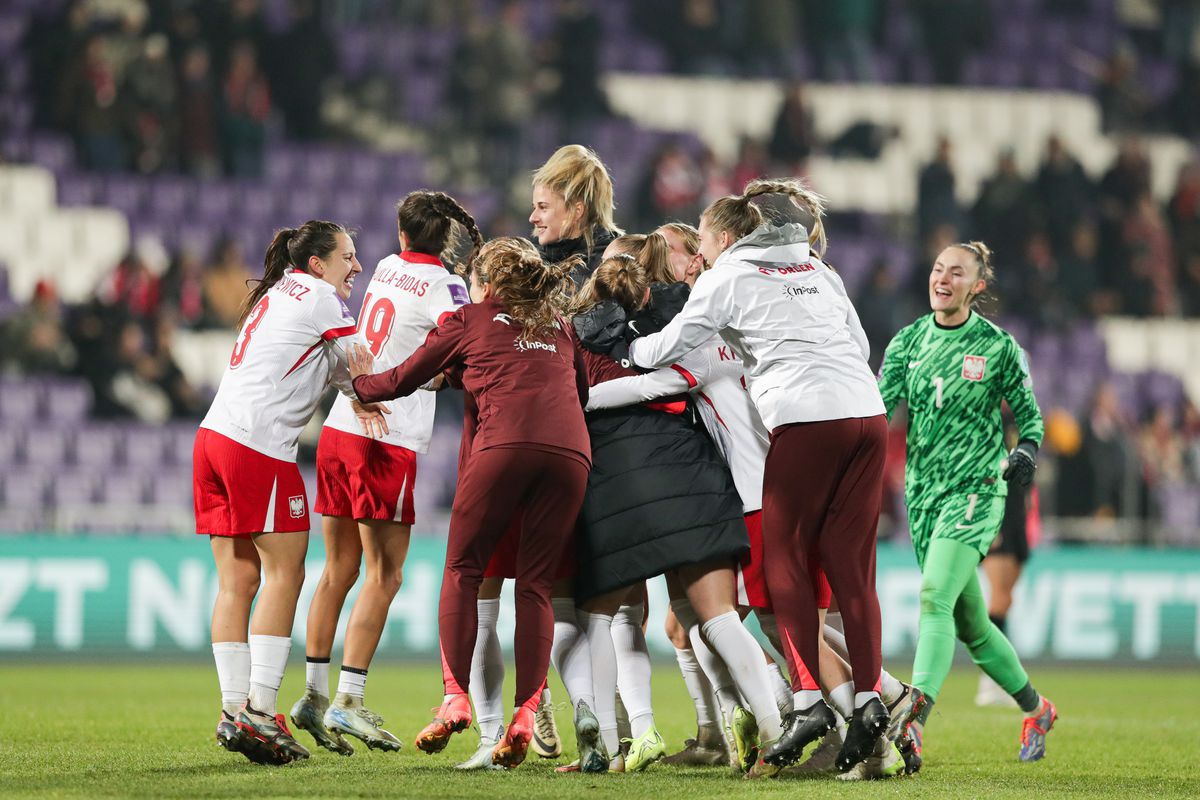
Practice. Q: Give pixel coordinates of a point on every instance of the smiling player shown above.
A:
(954, 367)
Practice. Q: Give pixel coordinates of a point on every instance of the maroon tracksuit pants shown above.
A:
(821, 496)
(548, 487)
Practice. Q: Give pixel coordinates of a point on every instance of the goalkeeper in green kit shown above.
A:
(954, 367)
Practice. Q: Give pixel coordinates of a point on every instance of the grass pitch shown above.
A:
(146, 730)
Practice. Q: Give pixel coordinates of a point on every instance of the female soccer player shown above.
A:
(249, 496)
(954, 367)
(787, 316)
(365, 486)
(644, 515)
(530, 451)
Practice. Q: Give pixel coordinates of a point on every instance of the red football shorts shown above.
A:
(362, 478)
(752, 582)
(504, 559)
(239, 491)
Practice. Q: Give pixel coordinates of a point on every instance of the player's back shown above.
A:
(282, 362)
(407, 297)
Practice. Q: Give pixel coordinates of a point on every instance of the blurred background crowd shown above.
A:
(208, 124)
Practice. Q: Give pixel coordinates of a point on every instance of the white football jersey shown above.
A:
(407, 296)
(290, 348)
(713, 373)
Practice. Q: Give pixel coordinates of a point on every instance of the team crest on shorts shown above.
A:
(296, 506)
(973, 367)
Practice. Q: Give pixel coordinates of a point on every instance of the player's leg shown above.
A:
(708, 748)
(282, 556)
(487, 676)
(553, 487)
(485, 500)
(847, 552)
(237, 583)
(571, 656)
(596, 616)
(710, 589)
(343, 554)
(991, 650)
(633, 664)
(384, 548)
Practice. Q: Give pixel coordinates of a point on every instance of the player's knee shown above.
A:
(242, 586)
(340, 576)
(935, 600)
(387, 578)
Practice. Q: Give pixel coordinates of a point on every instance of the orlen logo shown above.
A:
(789, 269)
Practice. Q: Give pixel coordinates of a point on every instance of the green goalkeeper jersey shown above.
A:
(954, 380)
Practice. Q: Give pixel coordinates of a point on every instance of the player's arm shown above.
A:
(1017, 388)
(442, 347)
(709, 309)
(637, 389)
(893, 372)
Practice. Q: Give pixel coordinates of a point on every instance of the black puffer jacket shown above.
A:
(565, 248)
(659, 494)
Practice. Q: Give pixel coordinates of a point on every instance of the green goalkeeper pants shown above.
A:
(952, 606)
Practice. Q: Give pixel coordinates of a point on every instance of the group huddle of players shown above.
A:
(692, 402)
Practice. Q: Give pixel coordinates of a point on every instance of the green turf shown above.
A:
(146, 731)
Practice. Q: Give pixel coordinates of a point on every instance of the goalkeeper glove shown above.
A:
(1022, 463)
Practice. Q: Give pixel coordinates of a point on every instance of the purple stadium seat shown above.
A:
(124, 192)
(47, 446)
(26, 488)
(77, 189)
(10, 445)
(55, 153)
(178, 440)
(73, 488)
(20, 400)
(68, 401)
(171, 198)
(98, 446)
(171, 488)
(124, 488)
(144, 448)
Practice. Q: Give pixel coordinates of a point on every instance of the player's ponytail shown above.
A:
(655, 259)
(291, 247)
(427, 219)
(535, 293)
(738, 216)
(619, 278)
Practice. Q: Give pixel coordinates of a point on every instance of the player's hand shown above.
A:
(370, 416)
(361, 360)
(1022, 463)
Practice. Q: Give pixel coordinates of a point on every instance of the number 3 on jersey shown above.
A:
(376, 321)
(252, 322)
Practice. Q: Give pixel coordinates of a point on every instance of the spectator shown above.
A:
(152, 99)
(505, 95)
(1124, 103)
(133, 287)
(842, 34)
(183, 292)
(1184, 216)
(881, 315)
(89, 105)
(1063, 192)
(715, 179)
(37, 341)
(1161, 450)
(1093, 481)
(307, 59)
(937, 203)
(1150, 286)
(246, 107)
(752, 162)
(792, 137)
(1002, 210)
(951, 30)
(226, 283)
(199, 138)
(576, 61)
(772, 29)
(671, 189)
(1078, 275)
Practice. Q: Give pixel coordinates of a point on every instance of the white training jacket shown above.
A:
(787, 315)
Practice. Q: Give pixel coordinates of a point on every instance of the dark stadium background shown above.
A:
(149, 149)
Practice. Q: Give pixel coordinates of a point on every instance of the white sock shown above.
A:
(233, 673)
(487, 668)
(862, 698)
(842, 699)
(569, 652)
(633, 668)
(268, 658)
(352, 681)
(781, 688)
(743, 657)
(699, 689)
(604, 676)
(316, 676)
(806, 698)
(890, 687)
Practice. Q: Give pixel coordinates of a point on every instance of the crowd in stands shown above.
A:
(201, 88)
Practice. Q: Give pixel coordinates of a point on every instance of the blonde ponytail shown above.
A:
(737, 216)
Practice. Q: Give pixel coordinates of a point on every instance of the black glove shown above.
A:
(1022, 463)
